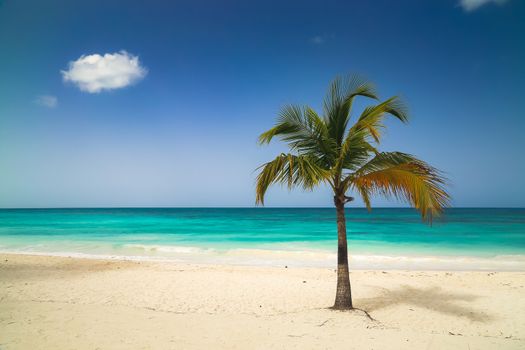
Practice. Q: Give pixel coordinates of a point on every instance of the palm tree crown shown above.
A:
(325, 149)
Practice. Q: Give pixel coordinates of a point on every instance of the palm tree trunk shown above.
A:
(343, 296)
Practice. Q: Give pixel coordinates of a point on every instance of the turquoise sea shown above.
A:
(383, 238)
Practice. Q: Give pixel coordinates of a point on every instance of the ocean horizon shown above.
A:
(384, 238)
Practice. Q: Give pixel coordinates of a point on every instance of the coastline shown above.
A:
(60, 303)
(313, 258)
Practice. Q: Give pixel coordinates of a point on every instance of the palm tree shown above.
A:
(326, 150)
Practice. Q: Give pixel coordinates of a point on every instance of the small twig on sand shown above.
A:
(363, 311)
(322, 324)
(366, 313)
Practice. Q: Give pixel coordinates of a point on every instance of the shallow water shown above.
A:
(383, 238)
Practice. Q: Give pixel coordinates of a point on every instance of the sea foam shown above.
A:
(303, 258)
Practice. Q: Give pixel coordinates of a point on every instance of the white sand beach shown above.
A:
(71, 303)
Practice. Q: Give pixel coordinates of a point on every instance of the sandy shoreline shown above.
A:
(70, 303)
(306, 258)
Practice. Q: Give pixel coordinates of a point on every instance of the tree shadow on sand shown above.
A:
(433, 298)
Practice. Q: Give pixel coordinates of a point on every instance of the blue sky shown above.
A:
(180, 127)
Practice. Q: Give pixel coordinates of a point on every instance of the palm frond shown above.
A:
(303, 130)
(355, 151)
(365, 195)
(372, 117)
(292, 170)
(338, 103)
(404, 177)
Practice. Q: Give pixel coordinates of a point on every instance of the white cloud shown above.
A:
(94, 73)
(47, 101)
(471, 5)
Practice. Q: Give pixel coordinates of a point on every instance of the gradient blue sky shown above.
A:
(218, 73)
